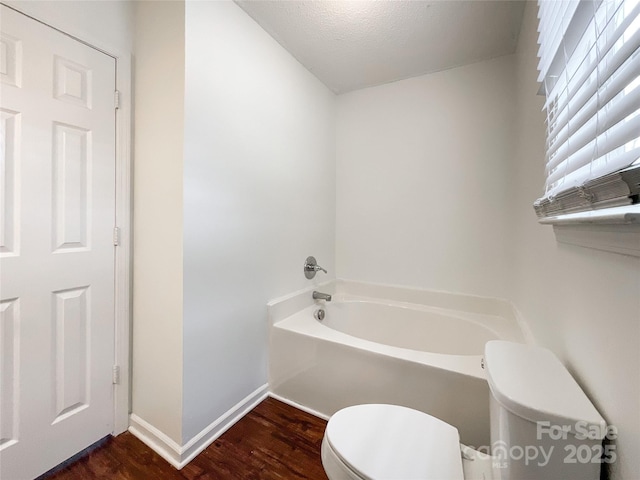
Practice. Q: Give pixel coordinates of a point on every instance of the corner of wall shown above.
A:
(178, 454)
(157, 383)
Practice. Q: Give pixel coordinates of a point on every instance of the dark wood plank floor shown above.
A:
(273, 441)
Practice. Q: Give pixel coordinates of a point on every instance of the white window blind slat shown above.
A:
(622, 105)
(621, 134)
(554, 23)
(590, 69)
(582, 60)
(586, 58)
(588, 103)
(607, 165)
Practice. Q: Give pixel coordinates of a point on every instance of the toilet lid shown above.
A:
(392, 442)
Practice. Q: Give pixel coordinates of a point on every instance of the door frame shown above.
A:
(123, 217)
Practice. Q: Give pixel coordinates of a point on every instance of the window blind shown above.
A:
(590, 72)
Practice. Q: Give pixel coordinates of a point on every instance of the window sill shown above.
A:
(627, 215)
(614, 230)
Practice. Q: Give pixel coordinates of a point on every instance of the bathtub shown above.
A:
(381, 344)
(413, 327)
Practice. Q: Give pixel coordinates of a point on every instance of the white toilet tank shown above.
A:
(543, 426)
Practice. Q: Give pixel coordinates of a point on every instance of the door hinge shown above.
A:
(116, 99)
(116, 236)
(116, 375)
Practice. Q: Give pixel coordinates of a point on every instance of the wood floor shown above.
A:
(273, 441)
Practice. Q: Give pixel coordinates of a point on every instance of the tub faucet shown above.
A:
(321, 296)
(311, 267)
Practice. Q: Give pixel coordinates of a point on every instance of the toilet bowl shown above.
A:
(529, 387)
(373, 441)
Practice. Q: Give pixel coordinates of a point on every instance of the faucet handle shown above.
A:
(311, 267)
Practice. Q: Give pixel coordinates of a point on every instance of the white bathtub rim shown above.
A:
(287, 305)
(284, 306)
(510, 329)
(527, 334)
(499, 306)
(302, 291)
(304, 324)
(502, 328)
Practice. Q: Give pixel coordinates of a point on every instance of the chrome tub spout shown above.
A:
(321, 296)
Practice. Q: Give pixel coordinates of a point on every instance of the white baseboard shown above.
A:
(158, 441)
(207, 436)
(313, 412)
(178, 455)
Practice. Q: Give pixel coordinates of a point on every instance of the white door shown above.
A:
(57, 211)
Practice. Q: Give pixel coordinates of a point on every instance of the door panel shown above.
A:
(57, 213)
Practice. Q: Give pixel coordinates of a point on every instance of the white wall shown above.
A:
(259, 186)
(421, 180)
(584, 304)
(158, 249)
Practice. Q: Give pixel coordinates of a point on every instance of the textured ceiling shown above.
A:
(354, 44)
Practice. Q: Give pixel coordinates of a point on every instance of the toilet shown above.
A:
(543, 426)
